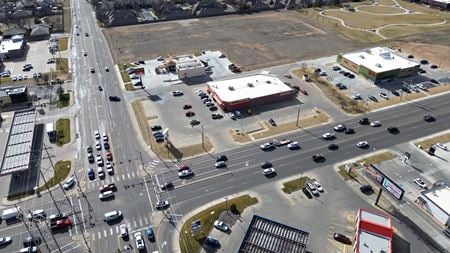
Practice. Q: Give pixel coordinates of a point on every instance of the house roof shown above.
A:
(14, 31)
(40, 29)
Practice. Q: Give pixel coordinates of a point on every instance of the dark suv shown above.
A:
(364, 121)
(114, 98)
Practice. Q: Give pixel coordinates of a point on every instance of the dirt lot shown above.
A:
(433, 53)
(251, 41)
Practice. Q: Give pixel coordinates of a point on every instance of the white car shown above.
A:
(14, 78)
(109, 168)
(384, 95)
(105, 137)
(97, 135)
(5, 240)
(105, 195)
(267, 146)
(442, 146)
(293, 145)
(99, 160)
(139, 241)
(420, 183)
(220, 164)
(422, 87)
(69, 183)
(123, 230)
(362, 144)
(318, 186)
(220, 225)
(328, 136)
(100, 172)
(312, 188)
(185, 173)
(98, 146)
(177, 93)
(268, 171)
(339, 127)
(36, 214)
(162, 204)
(375, 123)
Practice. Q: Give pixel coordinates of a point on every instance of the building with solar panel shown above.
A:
(267, 236)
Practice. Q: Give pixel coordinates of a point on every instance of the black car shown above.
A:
(307, 193)
(156, 128)
(212, 242)
(106, 145)
(395, 93)
(366, 189)
(167, 186)
(434, 81)
(336, 68)
(393, 130)
(159, 139)
(434, 66)
(429, 118)
(216, 116)
(342, 238)
(318, 158)
(333, 147)
(221, 158)
(374, 99)
(424, 62)
(351, 76)
(213, 108)
(422, 71)
(114, 98)
(349, 131)
(364, 121)
(266, 165)
(410, 56)
(272, 122)
(32, 241)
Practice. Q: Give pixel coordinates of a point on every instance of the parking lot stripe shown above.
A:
(93, 237)
(117, 229)
(132, 174)
(140, 221)
(128, 174)
(112, 179)
(135, 223)
(117, 178)
(111, 231)
(105, 234)
(146, 220)
(99, 235)
(123, 176)
(70, 232)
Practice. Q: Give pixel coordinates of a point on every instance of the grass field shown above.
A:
(63, 131)
(62, 169)
(63, 43)
(294, 185)
(381, 9)
(401, 31)
(386, 2)
(190, 243)
(381, 157)
(426, 144)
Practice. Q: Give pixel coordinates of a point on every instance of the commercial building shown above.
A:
(378, 63)
(13, 95)
(13, 48)
(438, 4)
(249, 91)
(373, 232)
(437, 202)
(188, 66)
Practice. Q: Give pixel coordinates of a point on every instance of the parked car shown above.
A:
(374, 99)
(419, 181)
(161, 204)
(222, 226)
(150, 233)
(342, 238)
(185, 107)
(395, 93)
(177, 93)
(366, 189)
(307, 193)
(123, 230)
(98, 146)
(91, 173)
(194, 122)
(216, 115)
(156, 128)
(357, 97)
(108, 187)
(139, 241)
(312, 188)
(114, 98)
(442, 146)
(212, 242)
(384, 95)
(190, 114)
(318, 186)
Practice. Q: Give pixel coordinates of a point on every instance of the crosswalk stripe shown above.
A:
(70, 232)
(146, 220)
(117, 178)
(132, 174)
(112, 179)
(111, 232)
(128, 175)
(99, 235)
(123, 176)
(105, 233)
(93, 237)
(117, 229)
(140, 221)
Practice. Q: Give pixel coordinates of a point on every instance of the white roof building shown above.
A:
(380, 59)
(438, 203)
(189, 66)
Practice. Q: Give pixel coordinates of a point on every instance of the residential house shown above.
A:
(208, 8)
(120, 17)
(40, 32)
(170, 10)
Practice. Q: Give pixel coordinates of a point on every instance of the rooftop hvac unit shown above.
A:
(230, 87)
(268, 81)
(361, 56)
(250, 85)
(378, 65)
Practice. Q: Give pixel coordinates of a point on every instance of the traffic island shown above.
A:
(425, 144)
(192, 242)
(62, 131)
(63, 100)
(63, 43)
(348, 171)
(294, 185)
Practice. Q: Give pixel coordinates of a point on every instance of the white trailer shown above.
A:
(50, 129)
(11, 213)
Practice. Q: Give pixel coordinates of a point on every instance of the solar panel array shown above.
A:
(268, 236)
(18, 146)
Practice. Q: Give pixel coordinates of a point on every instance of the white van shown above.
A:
(110, 216)
(105, 195)
(32, 249)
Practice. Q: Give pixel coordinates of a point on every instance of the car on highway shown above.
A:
(114, 98)
(96, 135)
(339, 128)
(293, 145)
(194, 122)
(222, 226)
(140, 245)
(99, 160)
(98, 145)
(216, 115)
(185, 173)
(267, 146)
(106, 195)
(187, 106)
(349, 131)
(429, 118)
(69, 183)
(282, 142)
(375, 123)
(266, 165)
(149, 232)
(91, 173)
(419, 181)
(333, 146)
(109, 168)
(307, 193)
(220, 164)
(318, 158)
(161, 204)
(268, 171)
(37, 215)
(442, 146)
(123, 230)
(328, 136)
(189, 114)
(212, 242)
(166, 186)
(364, 121)
(342, 238)
(177, 93)
(4, 241)
(108, 187)
(393, 130)
(221, 158)
(58, 216)
(183, 167)
(32, 249)
(109, 156)
(362, 144)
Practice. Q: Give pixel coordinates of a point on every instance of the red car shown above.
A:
(183, 167)
(109, 156)
(187, 107)
(61, 223)
(108, 187)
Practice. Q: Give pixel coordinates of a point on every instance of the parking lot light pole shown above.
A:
(298, 115)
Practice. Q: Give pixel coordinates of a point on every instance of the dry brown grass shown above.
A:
(318, 118)
(439, 89)
(381, 157)
(433, 53)
(426, 144)
(381, 9)
(239, 136)
(141, 119)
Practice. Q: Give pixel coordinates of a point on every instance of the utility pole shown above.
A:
(298, 115)
(91, 210)
(50, 192)
(40, 233)
(29, 231)
(53, 236)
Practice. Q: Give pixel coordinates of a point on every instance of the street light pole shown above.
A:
(298, 115)
(226, 204)
(203, 137)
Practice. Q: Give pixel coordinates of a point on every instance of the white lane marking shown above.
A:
(146, 220)
(99, 235)
(111, 231)
(82, 214)
(117, 178)
(128, 175)
(140, 221)
(134, 223)
(148, 195)
(93, 237)
(105, 234)
(112, 179)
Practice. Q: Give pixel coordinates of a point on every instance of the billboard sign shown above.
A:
(392, 188)
(374, 173)
(384, 181)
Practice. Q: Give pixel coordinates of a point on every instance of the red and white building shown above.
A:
(249, 91)
(373, 232)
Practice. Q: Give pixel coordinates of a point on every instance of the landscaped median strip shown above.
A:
(294, 185)
(374, 159)
(63, 131)
(192, 243)
(426, 144)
